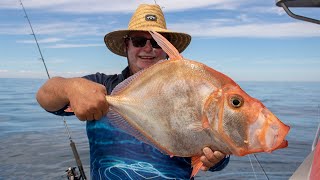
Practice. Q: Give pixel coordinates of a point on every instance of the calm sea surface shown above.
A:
(35, 145)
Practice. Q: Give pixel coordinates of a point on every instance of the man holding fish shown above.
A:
(114, 154)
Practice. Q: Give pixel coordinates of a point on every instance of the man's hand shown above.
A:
(87, 99)
(210, 158)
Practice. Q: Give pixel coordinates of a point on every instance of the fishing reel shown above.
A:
(72, 174)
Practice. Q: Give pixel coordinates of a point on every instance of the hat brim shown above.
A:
(115, 40)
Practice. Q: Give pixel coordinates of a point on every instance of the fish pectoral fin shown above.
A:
(210, 101)
(196, 165)
(205, 122)
(196, 126)
(199, 125)
(172, 52)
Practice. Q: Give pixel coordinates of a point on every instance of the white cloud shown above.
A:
(265, 10)
(74, 45)
(241, 24)
(62, 29)
(47, 40)
(124, 6)
(244, 18)
(217, 28)
(181, 5)
(12, 29)
(68, 28)
(9, 4)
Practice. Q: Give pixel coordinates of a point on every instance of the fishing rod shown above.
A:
(71, 171)
(35, 38)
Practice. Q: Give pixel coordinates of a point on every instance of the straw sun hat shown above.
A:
(146, 17)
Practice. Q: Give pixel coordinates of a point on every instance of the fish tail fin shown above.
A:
(196, 165)
(172, 52)
(122, 122)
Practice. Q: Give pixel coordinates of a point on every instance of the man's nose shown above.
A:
(148, 46)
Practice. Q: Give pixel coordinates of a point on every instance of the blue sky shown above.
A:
(247, 40)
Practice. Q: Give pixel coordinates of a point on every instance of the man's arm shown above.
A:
(86, 98)
(52, 95)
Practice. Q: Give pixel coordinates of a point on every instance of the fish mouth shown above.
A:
(282, 145)
(281, 141)
(275, 133)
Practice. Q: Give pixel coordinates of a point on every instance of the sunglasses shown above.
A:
(141, 42)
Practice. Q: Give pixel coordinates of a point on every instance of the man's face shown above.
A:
(142, 57)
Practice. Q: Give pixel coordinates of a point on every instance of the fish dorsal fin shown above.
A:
(171, 51)
(121, 86)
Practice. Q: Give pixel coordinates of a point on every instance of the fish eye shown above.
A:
(236, 101)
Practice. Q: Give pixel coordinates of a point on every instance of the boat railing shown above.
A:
(285, 4)
(316, 138)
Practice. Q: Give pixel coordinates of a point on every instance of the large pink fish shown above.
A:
(181, 106)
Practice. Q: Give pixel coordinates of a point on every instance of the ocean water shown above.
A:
(35, 145)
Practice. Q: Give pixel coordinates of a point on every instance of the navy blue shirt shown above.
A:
(116, 155)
